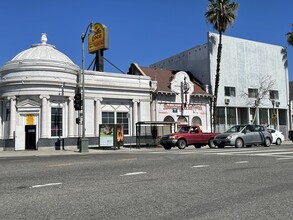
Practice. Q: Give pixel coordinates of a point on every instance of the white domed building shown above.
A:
(37, 89)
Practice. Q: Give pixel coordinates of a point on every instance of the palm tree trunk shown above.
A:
(217, 80)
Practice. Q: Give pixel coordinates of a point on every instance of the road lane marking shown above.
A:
(135, 173)
(249, 152)
(200, 166)
(59, 165)
(44, 185)
(126, 159)
(284, 158)
(20, 161)
(241, 161)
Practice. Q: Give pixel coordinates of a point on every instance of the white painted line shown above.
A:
(48, 184)
(271, 155)
(243, 151)
(241, 162)
(279, 153)
(284, 158)
(135, 173)
(199, 166)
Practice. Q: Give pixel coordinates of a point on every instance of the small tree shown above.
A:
(263, 86)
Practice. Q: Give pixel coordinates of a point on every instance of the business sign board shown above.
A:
(111, 135)
(30, 119)
(99, 40)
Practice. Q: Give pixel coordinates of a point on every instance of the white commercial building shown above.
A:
(37, 89)
(244, 64)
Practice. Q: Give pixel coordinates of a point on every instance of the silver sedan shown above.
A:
(241, 135)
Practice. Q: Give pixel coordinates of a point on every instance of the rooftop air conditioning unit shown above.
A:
(227, 101)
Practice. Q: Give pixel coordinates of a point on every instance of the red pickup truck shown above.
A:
(188, 135)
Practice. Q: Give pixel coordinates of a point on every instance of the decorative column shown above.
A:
(98, 115)
(44, 132)
(12, 116)
(134, 116)
(1, 118)
(71, 121)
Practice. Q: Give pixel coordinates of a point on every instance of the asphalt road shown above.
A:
(248, 183)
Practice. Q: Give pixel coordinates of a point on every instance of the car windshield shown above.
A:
(236, 128)
(183, 129)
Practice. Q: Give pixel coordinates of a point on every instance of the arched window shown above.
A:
(196, 121)
(182, 120)
(168, 119)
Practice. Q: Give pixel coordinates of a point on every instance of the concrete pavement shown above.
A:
(69, 151)
(75, 151)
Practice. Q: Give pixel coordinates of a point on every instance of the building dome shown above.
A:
(41, 59)
(43, 51)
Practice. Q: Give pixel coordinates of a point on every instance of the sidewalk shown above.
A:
(70, 151)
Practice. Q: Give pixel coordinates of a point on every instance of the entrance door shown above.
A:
(30, 137)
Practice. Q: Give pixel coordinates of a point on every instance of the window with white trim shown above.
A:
(117, 118)
(56, 122)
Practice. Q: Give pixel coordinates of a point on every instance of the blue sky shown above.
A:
(141, 31)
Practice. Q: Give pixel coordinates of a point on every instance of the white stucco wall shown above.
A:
(243, 63)
(144, 114)
(195, 60)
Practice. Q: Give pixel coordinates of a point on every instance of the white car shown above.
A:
(278, 137)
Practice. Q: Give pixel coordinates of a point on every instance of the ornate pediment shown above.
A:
(181, 83)
(28, 103)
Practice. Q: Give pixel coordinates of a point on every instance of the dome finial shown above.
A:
(44, 38)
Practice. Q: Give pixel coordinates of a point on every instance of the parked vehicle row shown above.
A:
(237, 136)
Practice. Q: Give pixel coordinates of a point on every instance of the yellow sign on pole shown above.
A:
(30, 119)
(99, 40)
(274, 116)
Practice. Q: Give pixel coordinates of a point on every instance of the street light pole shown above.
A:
(84, 141)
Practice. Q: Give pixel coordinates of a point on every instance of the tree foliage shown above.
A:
(290, 37)
(263, 86)
(221, 14)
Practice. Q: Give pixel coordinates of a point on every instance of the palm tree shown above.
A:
(221, 14)
(290, 37)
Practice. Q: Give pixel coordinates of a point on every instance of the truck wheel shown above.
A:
(167, 147)
(211, 143)
(239, 143)
(181, 144)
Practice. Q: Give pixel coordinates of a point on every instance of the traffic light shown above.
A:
(77, 121)
(77, 101)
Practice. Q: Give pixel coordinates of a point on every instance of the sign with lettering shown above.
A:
(99, 40)
(30, 119)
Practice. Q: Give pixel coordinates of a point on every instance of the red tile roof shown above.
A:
(164, 78)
